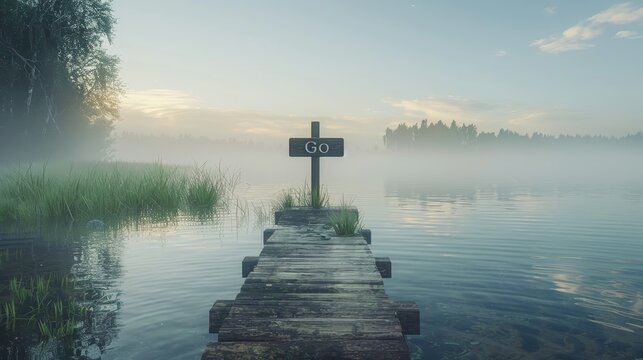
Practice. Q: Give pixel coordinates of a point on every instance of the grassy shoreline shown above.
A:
(108, 191)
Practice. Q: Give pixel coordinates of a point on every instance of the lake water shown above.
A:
(499, 269)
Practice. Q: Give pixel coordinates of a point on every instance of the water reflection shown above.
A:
(498, 271)
(61, 283)
(565, 284)
(98, 269)
(77, 314)
(516, 272)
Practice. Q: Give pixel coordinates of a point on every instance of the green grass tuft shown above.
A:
(301, 197)
(319, 200)
(285, 200)
(107, 191)
(345, 221)
(203, 191)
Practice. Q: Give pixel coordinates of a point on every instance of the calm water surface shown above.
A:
(498, 272)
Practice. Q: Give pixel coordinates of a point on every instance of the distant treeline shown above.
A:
(427, 135)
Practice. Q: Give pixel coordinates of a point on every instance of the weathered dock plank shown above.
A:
(299, 288)
(261, 329)
(332, 297)
(323, 350)
(321, 309)
(308, 277)
(311, 294)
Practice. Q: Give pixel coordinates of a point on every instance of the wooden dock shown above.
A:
(312, 295)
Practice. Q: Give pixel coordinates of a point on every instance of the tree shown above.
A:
(59, 91)
(439, 135)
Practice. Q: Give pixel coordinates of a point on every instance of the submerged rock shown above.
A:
(95, 225)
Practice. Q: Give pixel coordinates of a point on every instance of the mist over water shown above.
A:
(508, 253)
(270, 164)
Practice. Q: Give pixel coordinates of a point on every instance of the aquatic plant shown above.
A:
(262, 214)
(40, 290)
(203, 191)
(107, 191)
(10, 313)
(50, 330)
(17, 290)
(58, 309)
(40, 302)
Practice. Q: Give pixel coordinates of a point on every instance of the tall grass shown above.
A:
(107, 190)
(319, 199)
(302, 197)
(345, 220)
(203, 189)
(285, 200)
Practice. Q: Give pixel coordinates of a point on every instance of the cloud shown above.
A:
(551, 10)
(158, 103)
(619, 15)
(501, 53)
(626, 34)
(174, 112)
(526, 119)
(581, 32)
(445, 109)
(578, 36)
(574, 38)
(488, 117)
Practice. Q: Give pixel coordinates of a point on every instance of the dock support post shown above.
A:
(383, 265)
(248, 264)
(366, 234)
(218, 313)
(409, 315)
(267, 234)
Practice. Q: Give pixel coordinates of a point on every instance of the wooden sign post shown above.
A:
(314, 148)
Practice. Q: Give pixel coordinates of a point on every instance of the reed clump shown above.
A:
(285, 200)
(345, 220)
(107, 190)
(317, 200)
(302, 197)
(46, 301)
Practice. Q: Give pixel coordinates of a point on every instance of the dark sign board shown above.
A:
(316, 147)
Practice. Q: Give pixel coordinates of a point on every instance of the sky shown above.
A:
(262, 70)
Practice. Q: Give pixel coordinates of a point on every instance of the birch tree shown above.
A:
(59, 88)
